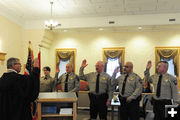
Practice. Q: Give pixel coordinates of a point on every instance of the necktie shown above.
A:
(97, 83)
(124, 84)
(158, 92)
(66, 84)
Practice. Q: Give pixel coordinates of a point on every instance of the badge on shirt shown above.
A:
(131, 78)
(166, 80)
(103, 78)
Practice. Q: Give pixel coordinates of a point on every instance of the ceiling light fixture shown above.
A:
(101, 29)
(139, 27)
(51, 24)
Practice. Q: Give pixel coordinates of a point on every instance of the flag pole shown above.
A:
(39, 56)
(29, 43)
(40, 47)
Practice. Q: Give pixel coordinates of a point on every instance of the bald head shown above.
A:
(99, 66)
(130, 64)
(128, 67)
(69, 67)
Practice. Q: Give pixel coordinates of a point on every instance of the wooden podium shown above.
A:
(57, 98)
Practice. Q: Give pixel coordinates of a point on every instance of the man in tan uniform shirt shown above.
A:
(130, 88)
(100, 90)
(165, 88)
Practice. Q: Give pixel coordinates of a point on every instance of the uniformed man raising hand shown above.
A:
(100, 90)
(165, 88)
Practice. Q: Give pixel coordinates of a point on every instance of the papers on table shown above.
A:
(65, 111)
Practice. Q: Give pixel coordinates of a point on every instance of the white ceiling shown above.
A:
(92, 13)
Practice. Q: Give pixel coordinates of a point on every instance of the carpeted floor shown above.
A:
(83, 114)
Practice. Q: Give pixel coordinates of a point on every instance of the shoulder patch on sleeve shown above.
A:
(174, 81)
(136, 74)
(140, 80)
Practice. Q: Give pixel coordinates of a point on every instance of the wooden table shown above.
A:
(55, 97)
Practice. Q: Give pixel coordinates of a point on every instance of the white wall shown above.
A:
(11, 41)
(139, 46)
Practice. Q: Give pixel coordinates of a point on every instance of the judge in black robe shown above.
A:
(17, 91)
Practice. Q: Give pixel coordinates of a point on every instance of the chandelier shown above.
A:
(51, 24)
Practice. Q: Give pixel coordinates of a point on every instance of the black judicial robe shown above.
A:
(16, 93)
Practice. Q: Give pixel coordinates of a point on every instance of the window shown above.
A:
(171, 66)
(63, 56)
(62, 67)
(112, 58)
(112, 63)
(171, 55)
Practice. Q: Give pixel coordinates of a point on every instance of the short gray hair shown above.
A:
(100, 62)
(69, 63)
(11, 61)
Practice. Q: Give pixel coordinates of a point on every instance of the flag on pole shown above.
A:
(39, 58)
(28, 70)
(29, 64)
(34, 104)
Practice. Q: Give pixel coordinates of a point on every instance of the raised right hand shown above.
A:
(84, 63)
(149, 64)
(57, 69)
(36, 62)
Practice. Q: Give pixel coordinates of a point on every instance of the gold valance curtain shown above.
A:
(65, 55)
(114, 54)
(171, 53)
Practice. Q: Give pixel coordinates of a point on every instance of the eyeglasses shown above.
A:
(17, 63)
(126, 66)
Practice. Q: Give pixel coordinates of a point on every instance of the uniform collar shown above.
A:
(47, 77)
(69, 73)
(129, 73)
(98, 73)
(162, 74)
